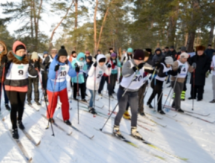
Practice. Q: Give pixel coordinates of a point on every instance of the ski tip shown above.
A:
(100, 129)
(92, 137)
(30, 159)
(38, 143)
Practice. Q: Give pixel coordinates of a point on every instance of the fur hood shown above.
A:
(12, 58)
(4, 51)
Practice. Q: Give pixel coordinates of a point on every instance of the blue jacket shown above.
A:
(83, 68)
(60, 83)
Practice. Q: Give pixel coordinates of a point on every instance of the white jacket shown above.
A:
(95, 74)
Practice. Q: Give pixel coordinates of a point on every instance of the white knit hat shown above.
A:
(34, 56)
(169, 60)
(184, 55)
(107, 55)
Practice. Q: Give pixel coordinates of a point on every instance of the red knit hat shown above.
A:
(139, 54)
(17, 43)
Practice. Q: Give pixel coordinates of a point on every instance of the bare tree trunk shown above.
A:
(76, 14)
(190, 41)
(95, 30)
(211, 34)
(101, 30)
(31, 20)
(53, 32)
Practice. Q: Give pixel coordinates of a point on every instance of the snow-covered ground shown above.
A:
(183, 136)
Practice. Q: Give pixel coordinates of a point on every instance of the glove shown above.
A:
(194, 65)
(179, 69)
(170, 72)
(134, 69)
(66, 62)
(109, 66)
(4, 60)
(124, 59)
(156, 64)
(95, 64)
(114, 63)
(140, 65)
(77, 69)
(57, 67)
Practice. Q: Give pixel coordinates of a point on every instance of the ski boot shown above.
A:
(21, 126)
(92, 111)
(126, 115)
(83, 100)
(7, 107)
(51, 120)
(135, 133)
(117, 133)
(183, 94)
(38, 103)
(142, 113)
(15, 134)
(161, 112)
(150, 106)
(213, 101)
(29, 103)
(68, 123)
(180, 110)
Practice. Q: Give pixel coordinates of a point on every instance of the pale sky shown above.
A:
(48, 19)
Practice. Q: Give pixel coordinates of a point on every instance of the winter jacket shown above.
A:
(89, 64)
(209, 53)
(202, 66)
(3, 55)
(115, 64)
(47, 62)
(37, 64)
(17, 73)
(83, 68)
(157, 58)
(125, 57)
(93, 84)
(57, 79)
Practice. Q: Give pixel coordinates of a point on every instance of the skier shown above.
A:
(57, 84)
(105, 78)
(127, 56)
(182, 67)
(44, 73)
(3, 59)
(94, 77)
(16, 83)
(46, 64)
(213, 77)
(79, 81)
(115, 65)
(35, 61)
(132, 72)
(197, 81)
(72, 56)
(165, 69)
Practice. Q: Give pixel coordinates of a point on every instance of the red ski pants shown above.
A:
(53, 97)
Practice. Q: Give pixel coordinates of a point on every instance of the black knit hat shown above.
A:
(62, 52)
(148, 50)
(139, 54)
(102, 60)
(19, 47)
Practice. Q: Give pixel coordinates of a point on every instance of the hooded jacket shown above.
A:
(83, 68)
(57, 80)
(97, 73)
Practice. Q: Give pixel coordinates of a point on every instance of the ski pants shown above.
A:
(197, 90)
(17, 102)
(177, 90)
(44, 81)
(157, 90)
(77, 87)
(101, 86)
(113, 79)
(35, 82)
(141, 94)
(53, 98)
(131, 98)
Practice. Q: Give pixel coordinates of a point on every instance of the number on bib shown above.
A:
(20, 72)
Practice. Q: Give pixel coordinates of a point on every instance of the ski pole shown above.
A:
(43, 90)
(193, 89)
(77, 95)
(94, 91)
(109, 94)
(118, 102)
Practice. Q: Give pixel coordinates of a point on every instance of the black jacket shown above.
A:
(202, 66)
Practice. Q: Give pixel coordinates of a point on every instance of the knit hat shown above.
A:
(139, 54)
(184, 55)
(17, 45)
(130, 50)
(107, 55)
(183, 48)
(200, 48)
(62, 52)
(113, 55)
(34, 56)
(45, 52)
(169, 60)
(172, 47)
(90, 58)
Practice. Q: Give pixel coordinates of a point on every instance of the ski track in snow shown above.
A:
(184, 136)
